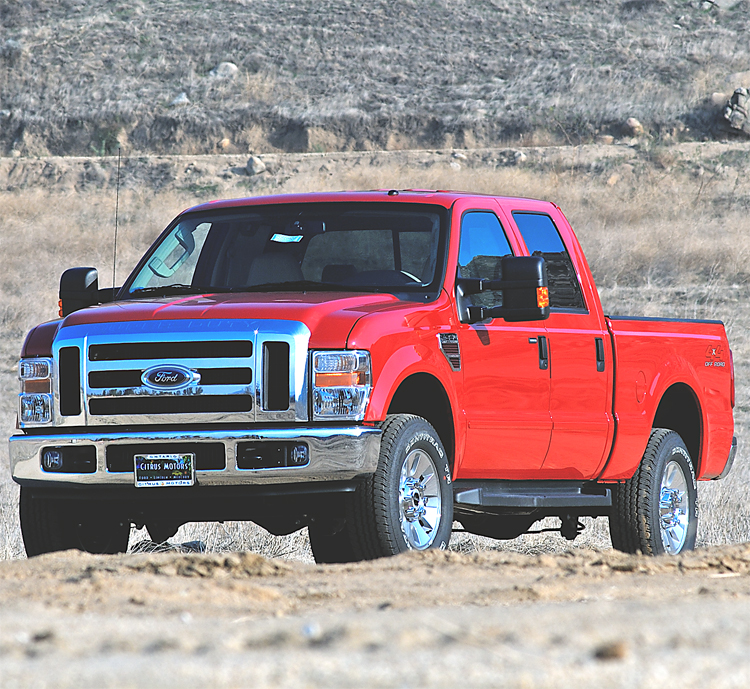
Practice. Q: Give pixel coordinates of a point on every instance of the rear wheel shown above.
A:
(49, 525)
(655, 511)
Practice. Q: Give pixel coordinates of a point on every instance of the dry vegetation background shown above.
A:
(77, 77)
(666, 230)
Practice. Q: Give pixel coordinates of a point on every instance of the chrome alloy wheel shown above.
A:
(674, 510)
(420, 502)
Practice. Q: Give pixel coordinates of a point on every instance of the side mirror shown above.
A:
(525, 292)
(79, 288)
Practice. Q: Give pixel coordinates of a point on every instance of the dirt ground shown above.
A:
(579, 619)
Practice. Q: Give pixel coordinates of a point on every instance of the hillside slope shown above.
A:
(78, 76)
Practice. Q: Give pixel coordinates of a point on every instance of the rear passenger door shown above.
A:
(506, 390)
(579, 361)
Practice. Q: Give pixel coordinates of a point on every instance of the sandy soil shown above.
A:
(580, 619)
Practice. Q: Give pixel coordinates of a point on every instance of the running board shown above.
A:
(534, 494)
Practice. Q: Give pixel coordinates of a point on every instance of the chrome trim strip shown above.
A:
(335, 454)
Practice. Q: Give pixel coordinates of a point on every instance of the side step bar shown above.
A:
(531, 494)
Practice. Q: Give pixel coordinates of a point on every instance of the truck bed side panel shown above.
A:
(654, 355)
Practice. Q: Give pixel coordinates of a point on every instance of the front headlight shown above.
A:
(35, 400)
(341, 385)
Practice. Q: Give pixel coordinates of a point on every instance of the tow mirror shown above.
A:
(79, 288)
(525, 292)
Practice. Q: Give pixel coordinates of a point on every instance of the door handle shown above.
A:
(600, 363)
(543, 353)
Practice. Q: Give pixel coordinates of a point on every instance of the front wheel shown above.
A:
(49, 525)
(408, 503)
(655, 512)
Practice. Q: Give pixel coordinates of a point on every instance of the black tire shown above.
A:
(665, 479)
(49, 525)
(382, 521)
(161, 531)
(332, 544)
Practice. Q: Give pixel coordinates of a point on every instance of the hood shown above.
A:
(329, 316)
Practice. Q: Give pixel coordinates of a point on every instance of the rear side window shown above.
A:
(483, 245)
(542, 239)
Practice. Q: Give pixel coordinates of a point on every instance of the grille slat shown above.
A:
(70, 381)
(114, 406)
(132, 379)
(275, 376)
(221, 349)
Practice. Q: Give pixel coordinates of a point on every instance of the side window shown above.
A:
(483, 245)
(542, 239)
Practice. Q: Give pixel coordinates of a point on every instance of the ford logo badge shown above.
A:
(169, 377)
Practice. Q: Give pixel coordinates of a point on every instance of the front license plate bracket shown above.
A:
(167, 469)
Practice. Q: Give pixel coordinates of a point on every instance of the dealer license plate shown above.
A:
(152, 471)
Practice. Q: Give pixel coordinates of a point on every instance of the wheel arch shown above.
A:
(679, 410)
(422, 394)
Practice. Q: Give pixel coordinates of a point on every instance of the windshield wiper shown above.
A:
(296, 286)
(176, 288)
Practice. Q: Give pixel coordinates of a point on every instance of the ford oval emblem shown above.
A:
(169, 377)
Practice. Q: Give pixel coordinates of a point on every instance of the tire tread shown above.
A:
(629, 526)
(372, 532)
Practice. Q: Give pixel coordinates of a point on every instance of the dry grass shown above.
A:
(76, 77)
(659, 245)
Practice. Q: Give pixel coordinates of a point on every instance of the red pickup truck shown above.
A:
(372, 366)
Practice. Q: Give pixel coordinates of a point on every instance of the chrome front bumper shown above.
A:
(335, 454)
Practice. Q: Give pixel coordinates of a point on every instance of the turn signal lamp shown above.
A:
(542, 297)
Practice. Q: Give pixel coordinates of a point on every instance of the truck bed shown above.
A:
(677, 357)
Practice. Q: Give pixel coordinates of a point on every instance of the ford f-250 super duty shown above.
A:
(372, 366)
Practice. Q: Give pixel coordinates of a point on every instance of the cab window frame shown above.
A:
(584, 310)
(494, 297)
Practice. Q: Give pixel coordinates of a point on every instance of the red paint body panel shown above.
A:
(39, 340)
(653, 356)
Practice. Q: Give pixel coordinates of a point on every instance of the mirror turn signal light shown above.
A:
(59, 308)
(542, 297)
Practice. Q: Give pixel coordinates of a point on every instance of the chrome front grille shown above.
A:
(233, 370)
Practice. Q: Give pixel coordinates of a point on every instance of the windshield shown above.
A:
(298, 247)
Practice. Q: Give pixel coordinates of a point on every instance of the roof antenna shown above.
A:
(117, 211)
